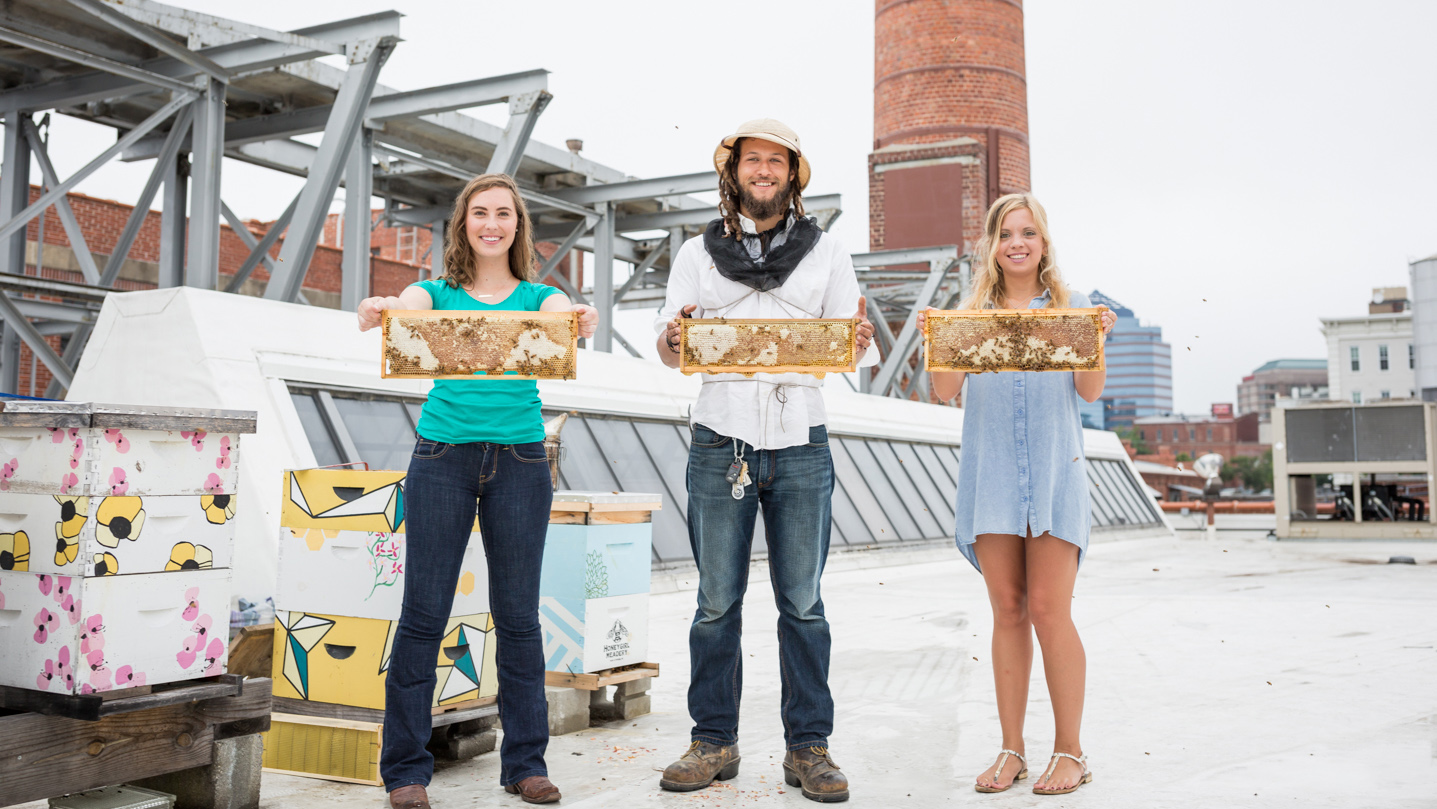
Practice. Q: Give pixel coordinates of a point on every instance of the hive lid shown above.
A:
(45, 413)
(607, 497)
(122, 797)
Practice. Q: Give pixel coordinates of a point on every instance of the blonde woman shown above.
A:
(478, 440)
(1023, 509)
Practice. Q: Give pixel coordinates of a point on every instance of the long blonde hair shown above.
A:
(989, 289)
(459, 259)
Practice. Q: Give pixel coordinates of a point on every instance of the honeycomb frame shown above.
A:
(1022, 340)
(754, 338)
(549, 342)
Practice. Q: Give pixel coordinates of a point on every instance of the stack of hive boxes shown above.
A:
(341, 585)
(116, 533)
(594, 592)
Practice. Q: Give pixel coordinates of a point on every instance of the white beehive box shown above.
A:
(116, 527)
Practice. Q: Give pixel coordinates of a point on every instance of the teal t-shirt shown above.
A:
(460, 411)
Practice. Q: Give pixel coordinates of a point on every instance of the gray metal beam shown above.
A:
(537, 202)
(339, 134)
(236, 58)
(524, 112)
(186, 22)
(62, 206)
(202, 264)
(33, 338)
(699, 217)
(141, 210)
(564, 247)
(358, 191)
(639, 189)
(48, 198)
(14, 192)
(63, 290)
(52, 310)
(158, 41)
(461, 95)
(123, 71)
(604, 278)
(243, 232)
(640, 271)
(260, 251)
(915, 255)
(172, 222)
(897, 361)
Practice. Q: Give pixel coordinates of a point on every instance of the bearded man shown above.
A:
(761, 259)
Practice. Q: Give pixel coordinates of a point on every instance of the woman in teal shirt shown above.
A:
(479, 440)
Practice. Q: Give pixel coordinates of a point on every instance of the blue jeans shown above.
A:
(795, 488)
(514, 493)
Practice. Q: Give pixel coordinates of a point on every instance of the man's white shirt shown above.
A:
(766, 411)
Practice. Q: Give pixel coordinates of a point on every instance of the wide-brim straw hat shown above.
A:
(770, 130)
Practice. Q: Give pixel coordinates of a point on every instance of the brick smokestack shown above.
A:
(950, 119)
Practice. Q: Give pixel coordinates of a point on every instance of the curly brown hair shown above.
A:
(459, 259)
(729, 192)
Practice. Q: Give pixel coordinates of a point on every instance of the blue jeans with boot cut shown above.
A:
(794, 487)
(514, 493)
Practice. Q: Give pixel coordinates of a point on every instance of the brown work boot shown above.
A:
(813, 769)
(703, 764)
(410, 797)
(535, 789)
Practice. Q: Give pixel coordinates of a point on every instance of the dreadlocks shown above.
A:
(729, 194)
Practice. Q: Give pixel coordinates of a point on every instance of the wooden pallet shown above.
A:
(977, 341)
(172, 728)
(601, 679)
(441, 715)
(432, 344)
(781, 346)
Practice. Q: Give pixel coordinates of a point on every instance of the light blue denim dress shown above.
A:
(1021, 464)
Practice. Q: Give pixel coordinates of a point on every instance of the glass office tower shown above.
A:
(1140, 372)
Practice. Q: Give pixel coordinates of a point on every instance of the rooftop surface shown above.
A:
(1235, 672)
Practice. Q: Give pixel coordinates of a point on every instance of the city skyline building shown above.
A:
(1140, 372)
(1292, 378)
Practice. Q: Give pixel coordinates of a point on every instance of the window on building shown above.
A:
(1157, 435)
(1356, 361)
(1192, 434)
(1382, 358)
(1386, 394)
(1209, 433)
(1357, 397)
(1411, 357)
(406, 244)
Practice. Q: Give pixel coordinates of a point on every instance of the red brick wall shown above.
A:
(102, 220)
(946, 70)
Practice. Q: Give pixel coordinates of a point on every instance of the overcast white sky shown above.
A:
(1274, 157)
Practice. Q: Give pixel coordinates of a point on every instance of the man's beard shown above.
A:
(760, 209)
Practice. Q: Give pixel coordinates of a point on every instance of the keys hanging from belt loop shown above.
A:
(738, 471)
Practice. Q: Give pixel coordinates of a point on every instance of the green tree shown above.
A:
(1254, 472)
(1183, 457)
(1133, 437)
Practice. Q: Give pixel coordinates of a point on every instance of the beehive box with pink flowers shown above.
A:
(116, 526)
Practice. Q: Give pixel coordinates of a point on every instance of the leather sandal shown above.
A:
(1053, 764)
(535, 789)
(998, 773)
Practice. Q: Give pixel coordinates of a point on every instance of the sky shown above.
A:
(1273, 157)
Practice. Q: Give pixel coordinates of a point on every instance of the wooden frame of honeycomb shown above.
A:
(443, 344)
(975, 341)
(781, 346)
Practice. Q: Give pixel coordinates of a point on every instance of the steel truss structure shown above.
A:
(186, 90)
